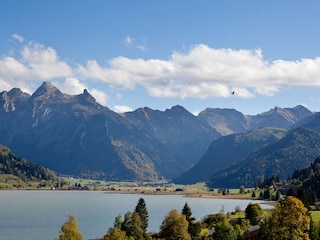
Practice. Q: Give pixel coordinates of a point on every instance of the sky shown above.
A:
(132, 53)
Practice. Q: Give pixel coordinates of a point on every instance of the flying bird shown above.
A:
(232, 92)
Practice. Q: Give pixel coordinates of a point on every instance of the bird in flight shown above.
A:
(232, 92)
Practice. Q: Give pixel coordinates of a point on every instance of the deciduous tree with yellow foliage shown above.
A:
(289, 220)
(70, 230)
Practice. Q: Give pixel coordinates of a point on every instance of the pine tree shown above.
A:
(186, 210)
(132, 225)
(142, 211)
(193, 228)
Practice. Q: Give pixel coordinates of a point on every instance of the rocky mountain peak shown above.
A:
(87, 97)
(16, 93)
(10, 99)
(47, 89)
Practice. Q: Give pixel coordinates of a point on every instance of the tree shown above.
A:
(242, 189)
(117, 222)
(289, 220)
(116, 234)
(141, 209)
(252, 212)
(194, 228)
(70, 230)
(132, 225)
(174, 227)
(267, 194)
(224, 231)
(253, 194)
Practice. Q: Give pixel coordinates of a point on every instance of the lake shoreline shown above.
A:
(148, 192)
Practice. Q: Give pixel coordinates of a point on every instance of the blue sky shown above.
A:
(132, 54)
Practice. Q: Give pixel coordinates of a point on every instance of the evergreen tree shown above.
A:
(194, 228)
(70, 230)
(132, 225)
(141, 209)
(117, 222)
(253, 194)
(186, 210)
(266, 194)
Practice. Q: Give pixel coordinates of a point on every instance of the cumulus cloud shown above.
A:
(122, 109)
(204, 72)
(199, 72)
(100, 96)
(43, 62)
(73, 86)
(36, 63)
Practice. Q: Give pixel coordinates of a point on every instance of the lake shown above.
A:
(38, 215)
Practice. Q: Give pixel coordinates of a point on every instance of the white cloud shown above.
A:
(43, 62)
(200, 72)
(18, 38)
(141, 47)
(207, 72)
(122, 109)
(128, 40)
(100, 96)
(71, 86)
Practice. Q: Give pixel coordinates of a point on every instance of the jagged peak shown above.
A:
(86, 96)
(276, 109)
(15, 93)
(177, 108)
(46, 88)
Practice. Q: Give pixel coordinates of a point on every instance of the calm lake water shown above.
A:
(38, 215)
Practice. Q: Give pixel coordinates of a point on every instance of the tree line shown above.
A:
(289, 220)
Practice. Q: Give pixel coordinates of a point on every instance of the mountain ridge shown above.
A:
(73, 134)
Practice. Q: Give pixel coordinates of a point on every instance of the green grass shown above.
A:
(315, 215)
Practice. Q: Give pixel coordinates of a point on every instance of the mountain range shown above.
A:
(75, 135)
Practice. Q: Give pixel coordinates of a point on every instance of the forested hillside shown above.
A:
(297, 149)
(229, 150)
(19, 169)
(305, 183)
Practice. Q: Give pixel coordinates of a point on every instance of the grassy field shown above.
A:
(9, 181)
(315, 215)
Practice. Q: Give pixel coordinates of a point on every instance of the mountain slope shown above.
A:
(229, 150)
(281, 158)
(10, 164)
(229, 121)
(76, 135)
(178, 131)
